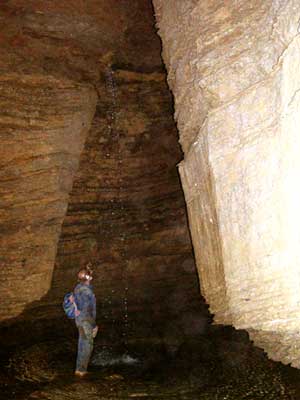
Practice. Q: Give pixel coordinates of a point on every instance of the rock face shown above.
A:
(234, 70)
(89, 165)
(127, 214)
(43, 126)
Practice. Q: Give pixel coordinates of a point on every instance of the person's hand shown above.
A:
(95, 331)
(77, 312)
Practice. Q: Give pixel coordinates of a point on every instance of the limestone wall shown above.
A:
(43, 126)
(234, 71)
(84, 105)
(126, 212)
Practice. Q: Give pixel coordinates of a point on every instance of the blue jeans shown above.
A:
(85, 345)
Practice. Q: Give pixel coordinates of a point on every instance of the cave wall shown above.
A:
(126, 212)
(44, 120)
(233, 68)
(89, 166)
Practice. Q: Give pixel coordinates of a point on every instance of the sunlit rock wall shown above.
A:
(234, 70)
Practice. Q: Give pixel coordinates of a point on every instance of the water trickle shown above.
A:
(108, 358)
(118, 156)
(111, 89)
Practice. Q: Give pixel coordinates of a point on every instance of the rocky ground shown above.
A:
(220, 365)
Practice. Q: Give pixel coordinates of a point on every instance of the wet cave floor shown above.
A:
(222, 364)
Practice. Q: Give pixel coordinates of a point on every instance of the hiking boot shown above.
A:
(81, 374)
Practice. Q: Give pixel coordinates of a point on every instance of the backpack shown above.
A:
(69, 305)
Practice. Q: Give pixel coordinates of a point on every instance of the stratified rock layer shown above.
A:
(43, 126)
(234, 72)
(127, 214)
(67, 67)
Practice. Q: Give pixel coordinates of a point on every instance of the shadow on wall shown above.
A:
(40, 322)
(33, 326)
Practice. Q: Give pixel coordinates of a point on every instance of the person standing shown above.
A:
(85, 319)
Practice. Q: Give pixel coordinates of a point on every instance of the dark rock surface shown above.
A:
(221, 365)
(126, 211)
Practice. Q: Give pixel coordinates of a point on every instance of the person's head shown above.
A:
(85, 275)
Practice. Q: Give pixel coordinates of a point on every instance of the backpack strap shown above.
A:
(77, 312)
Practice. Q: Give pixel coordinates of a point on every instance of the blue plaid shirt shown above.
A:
(86, 303)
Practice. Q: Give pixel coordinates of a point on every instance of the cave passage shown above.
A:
(89, 174)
